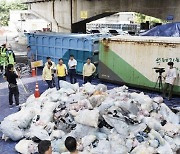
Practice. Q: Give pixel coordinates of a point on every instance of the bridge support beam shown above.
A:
(65, 15)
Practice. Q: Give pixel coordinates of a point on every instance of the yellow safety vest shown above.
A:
(3, 52)
(3, 56)
(11, 58)
(61, 70)
(0, 56)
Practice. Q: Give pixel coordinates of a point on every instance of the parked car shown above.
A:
(93, 31)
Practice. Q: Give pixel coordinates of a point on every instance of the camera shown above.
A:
(159, 70)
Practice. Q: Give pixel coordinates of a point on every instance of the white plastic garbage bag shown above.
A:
(88, 117)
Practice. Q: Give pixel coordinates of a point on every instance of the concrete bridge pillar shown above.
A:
(58, 12)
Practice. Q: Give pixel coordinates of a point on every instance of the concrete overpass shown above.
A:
(72, 15)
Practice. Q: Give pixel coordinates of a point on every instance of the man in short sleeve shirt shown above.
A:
(170, 80)
(11, 77)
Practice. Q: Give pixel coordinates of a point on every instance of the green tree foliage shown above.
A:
(141, 18)
(5, 8)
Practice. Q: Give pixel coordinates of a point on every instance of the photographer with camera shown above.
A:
(169, 80)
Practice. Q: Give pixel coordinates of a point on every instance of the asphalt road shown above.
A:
(29, 82)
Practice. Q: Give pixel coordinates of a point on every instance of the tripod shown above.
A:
(159, 82)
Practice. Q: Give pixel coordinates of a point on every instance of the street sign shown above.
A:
(84, 15)
(37, 63)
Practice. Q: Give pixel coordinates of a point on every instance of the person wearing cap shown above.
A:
(30, 56)
(169, 80)
(72, 63)
(88, 70)
(47, 74)
(53, 69)
(11, 56)
(44, 147)
(3, 57)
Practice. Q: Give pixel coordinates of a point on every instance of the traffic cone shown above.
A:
(33, 72)
(36, 92)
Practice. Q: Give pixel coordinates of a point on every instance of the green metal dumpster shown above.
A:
(131, 59)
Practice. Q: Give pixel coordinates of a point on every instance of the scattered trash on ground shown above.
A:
(23, 69)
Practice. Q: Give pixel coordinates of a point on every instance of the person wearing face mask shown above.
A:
(11, 56)
(169, 80)
(3, 57)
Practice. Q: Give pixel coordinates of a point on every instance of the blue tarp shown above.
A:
(166, 30)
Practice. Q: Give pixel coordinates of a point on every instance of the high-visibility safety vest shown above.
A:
(61, 70)
(3, 56)
(10, 58)
(3, 52)
(0, 55)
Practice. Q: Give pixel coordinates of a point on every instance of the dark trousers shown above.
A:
(72, 74)
(61, 78)
(1, 68)
(50, 84)
(87, 79)
(166, 86)
(13, 91)
(29, 63)
(53, 81)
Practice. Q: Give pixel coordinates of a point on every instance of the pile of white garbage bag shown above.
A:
(102, 121)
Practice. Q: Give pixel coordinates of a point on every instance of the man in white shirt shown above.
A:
(72, 69)
(169, 80)
(53, 69)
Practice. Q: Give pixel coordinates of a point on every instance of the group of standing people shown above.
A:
(61, 71)
(50, 70)
(7, 63)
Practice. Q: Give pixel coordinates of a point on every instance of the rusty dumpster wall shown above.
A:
(131, 60)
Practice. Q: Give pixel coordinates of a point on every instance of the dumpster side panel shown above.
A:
(133, 61)
(63, 45)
